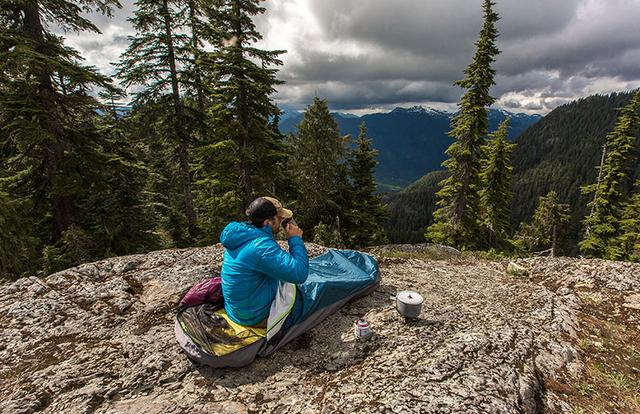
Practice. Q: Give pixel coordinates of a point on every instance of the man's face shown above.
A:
(275, 223)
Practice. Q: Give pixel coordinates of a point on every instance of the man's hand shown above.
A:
(293, 230)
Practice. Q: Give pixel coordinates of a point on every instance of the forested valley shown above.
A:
(80, 180)
(561, 153)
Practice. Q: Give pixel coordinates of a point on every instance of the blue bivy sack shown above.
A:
(210, 337)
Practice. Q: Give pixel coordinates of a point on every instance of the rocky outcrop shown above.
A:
(99, 338)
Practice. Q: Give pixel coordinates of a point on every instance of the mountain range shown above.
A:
(411, 141)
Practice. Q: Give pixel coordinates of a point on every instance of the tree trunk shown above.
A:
(241, 112)
(195, 44)
(595, 193)
(54, 148)
(183, 153)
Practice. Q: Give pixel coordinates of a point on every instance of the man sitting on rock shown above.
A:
(254, 263)
(270, 296)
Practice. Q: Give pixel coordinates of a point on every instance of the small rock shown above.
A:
(517, 270)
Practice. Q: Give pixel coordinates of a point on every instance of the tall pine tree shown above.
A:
(628, 243)
(193, 72)
(60, 161)
(367, 214)
(126, 224)
(44, 100)
(112, 213)
(157, 59)
(17, 247)
(317, 165)
(497, 180)
(216, 187)
(241, 79)
(456, 222)
(612, 189)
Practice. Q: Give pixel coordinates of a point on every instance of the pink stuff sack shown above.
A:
(206, 291)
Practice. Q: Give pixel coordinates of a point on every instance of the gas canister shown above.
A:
(362, 329)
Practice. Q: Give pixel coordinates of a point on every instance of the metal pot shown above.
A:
(409, 304)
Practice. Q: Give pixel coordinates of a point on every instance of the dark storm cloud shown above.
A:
(362, 94)
(539, 83)
(550, 49)
(437, 25)
(580, 46)
(625, 66)
(314, 65)
(380, 52)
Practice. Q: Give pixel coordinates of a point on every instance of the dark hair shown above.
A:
(259, 210)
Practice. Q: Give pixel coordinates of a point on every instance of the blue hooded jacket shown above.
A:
(253, 264)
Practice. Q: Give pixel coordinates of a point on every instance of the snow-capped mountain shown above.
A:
(411, 141)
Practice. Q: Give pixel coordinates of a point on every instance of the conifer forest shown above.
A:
(82, 180)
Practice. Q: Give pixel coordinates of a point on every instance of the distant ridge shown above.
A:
(558, 153)
(411, 141)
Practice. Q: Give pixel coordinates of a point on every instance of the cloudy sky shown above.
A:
(371, 55)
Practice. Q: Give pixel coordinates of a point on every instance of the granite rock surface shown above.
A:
(98, 338)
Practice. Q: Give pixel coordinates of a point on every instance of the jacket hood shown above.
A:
(235, 234)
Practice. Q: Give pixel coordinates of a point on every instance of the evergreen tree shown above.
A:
(456, 222)
(44, 104)
(113, 213)
(318, 168)
(284, 184)
(628, 243)
(60, 161)
(497, 179)
(17, 247)
(120, 200)
(615, 177)
(328, 236)
(157, 59)
(547, 227)
(145, 126)
(368, 213)
(241, 79)
(217, 196)
(193, 72)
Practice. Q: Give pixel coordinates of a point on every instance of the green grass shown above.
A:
(585, 389)
(620, 381)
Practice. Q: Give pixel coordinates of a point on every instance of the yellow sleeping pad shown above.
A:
(218, 334)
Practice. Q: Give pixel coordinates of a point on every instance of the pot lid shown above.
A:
(409, 297)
